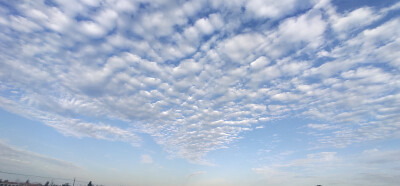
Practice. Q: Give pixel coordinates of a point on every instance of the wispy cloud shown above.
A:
(19, 160)
(326, 167)
(145, 158)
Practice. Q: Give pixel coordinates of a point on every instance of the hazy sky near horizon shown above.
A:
(202, 92)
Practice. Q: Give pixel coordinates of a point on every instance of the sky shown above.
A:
(194, 93)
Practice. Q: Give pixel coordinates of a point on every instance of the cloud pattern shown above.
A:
(195, 75)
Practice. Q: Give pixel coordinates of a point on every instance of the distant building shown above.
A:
(7, 183)
(30, 184)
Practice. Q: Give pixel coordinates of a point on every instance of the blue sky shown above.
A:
(222, 93)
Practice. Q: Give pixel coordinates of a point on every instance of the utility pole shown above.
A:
(73, 183)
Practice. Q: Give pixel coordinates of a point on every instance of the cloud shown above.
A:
(274, 176)
(306, 27)
(196, 173)
(92, 29)
(321, 126)
(355, 19)
(240, 47)
(19, 160)
(369, 167)
(314, 159)
(197, 76)
(145, 158)
(274, 9)
(74, 127)
(380, 157)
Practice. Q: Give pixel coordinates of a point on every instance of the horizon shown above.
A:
(216, 93)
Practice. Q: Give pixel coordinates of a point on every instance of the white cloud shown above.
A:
(355, 19)
(307, 27)
(274, 9)
(19, 160)
(240, 47)
(259, 63)
(196, 173)
(74, 127)
(321, 126)
(145, 158)
(196, 81)
(93, 3)
(204, 26)
(22, 24)
(314, 159)
(58, 21)
(370, 167)
(92, 29)
(274, 176)
(107, 18)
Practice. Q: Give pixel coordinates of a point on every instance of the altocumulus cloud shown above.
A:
(194, 75)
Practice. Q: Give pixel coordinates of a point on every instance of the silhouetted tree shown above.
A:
(27, 181)
(90, 184)
(47, 183)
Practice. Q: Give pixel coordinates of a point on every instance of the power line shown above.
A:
(30, 175)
